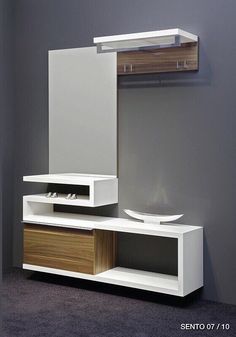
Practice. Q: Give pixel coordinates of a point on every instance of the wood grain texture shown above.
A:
(183, 58)
(60, 248)
(114, 248)
(104, 255)
(76, 250)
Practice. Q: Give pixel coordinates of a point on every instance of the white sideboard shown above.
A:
(189, 240)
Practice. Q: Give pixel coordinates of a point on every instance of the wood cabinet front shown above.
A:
(69, 249)
(183, 58)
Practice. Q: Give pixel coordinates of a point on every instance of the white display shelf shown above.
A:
(103, 190)
(132, 278)
(160, 38)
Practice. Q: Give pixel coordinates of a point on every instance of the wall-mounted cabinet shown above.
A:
(183, 58)
(171, 50)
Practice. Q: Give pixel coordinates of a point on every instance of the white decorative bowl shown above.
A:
(152, 218)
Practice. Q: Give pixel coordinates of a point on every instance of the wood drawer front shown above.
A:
(184, 58)
(61, 248)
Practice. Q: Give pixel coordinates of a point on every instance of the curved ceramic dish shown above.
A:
(152, 218)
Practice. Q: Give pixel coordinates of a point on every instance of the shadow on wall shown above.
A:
(109, 210)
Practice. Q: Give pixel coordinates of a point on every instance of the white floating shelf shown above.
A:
(68, 178)
(43, 216)
(154, 39)
(133, 278)
(103, 190)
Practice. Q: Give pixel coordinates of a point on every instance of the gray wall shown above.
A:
(7, 130)
(176, 140)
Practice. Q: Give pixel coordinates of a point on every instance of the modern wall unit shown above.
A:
(85, 246)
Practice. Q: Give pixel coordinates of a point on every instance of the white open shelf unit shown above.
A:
(190, 250)
(154, 39)
(103, 190)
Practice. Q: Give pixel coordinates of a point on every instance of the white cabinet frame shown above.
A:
(190, 251)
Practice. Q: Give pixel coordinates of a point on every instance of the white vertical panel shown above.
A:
(82, 111)
(192, 261)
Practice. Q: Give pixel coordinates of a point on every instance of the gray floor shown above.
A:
(36, 305)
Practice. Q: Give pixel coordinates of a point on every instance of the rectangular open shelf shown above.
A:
(103, 190)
